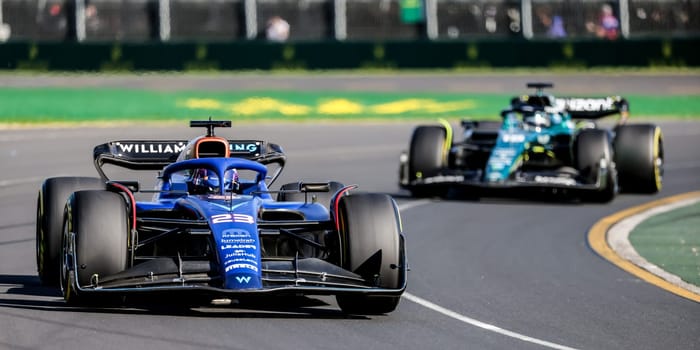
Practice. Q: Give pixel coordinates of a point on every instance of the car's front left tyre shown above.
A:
(639, 155)
(372, 247)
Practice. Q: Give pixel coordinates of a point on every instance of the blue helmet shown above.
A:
(205, 181)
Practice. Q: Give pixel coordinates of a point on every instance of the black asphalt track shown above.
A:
(515, 265)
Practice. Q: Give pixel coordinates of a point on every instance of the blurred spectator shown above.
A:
(4, 32)
(608, 26)
(490, 22)
(277, 29)
(554, 24)
(92, 20)
(50, 16)
(556, 30)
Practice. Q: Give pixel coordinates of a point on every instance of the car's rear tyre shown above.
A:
(639, 156)
(323, 198)
(592, 146)
(51, 201)
(371, 245)
(426, 157)
(99, 223)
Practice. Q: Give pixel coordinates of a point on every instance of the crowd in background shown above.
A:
(282, 20)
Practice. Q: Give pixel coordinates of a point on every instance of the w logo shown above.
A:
(243, 279)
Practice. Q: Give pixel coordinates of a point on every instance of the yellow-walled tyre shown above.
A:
(639, 157)
(427, 157)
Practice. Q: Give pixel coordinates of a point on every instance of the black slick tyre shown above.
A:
(96, 230)
(426, 157)
(49, 219)
(371, 247)
(591, 147)
(639, 156)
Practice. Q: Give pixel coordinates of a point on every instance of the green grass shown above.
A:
(42, 105)
(672, 242)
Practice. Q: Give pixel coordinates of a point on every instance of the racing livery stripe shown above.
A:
(448, 139)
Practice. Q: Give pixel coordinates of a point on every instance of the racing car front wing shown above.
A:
(567, 181)
(280, 276)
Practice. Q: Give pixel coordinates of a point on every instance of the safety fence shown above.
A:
(344, 20)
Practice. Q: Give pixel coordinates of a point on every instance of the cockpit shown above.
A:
(204, 181)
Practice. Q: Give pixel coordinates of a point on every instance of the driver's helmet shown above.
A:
(231, 182)
(205, 181)
(537, 119)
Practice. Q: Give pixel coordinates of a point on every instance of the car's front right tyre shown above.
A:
(95, 238)
(592, 150)
(49, 217)
(427, 157)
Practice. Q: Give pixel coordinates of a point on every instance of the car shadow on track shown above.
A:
(28, 293)
(496, 197)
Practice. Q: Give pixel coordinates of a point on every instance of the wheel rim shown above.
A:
(65, 250)
(40, 237)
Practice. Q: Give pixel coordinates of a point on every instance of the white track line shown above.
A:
(468, 320)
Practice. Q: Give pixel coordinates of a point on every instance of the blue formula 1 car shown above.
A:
(541, 144)
(215, 230)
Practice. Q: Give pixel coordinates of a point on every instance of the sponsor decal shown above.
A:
(238, 253)
(241, 260)
(243, 279)
(504, 152)
(443, 178)
(543, 139)
(238, 246)
(241, 218)
(493, 176)
(555, 180)
(244, 147)
(588, 104)
(238, 240)
(513, 138)
(241, 266)
(237, 236)
(270, 105)
(223, 197)
(235, 233)
(498, 166)
(501, 158)
(151, 147)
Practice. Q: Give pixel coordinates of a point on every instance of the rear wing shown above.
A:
(138, 155)
(593, 108)
(577, 107)
(154, 155)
